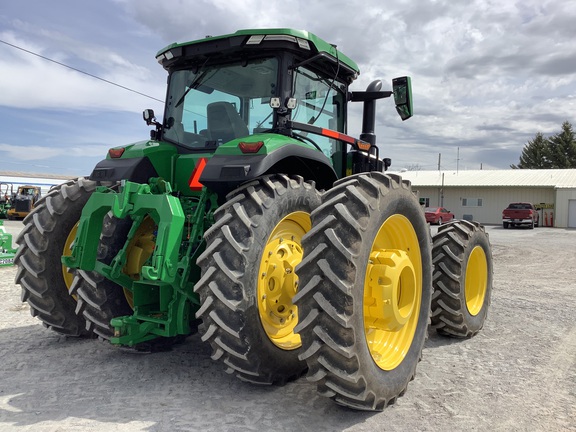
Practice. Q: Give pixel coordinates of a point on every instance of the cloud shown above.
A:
(38, 83)
(486, 75)
(30, 152)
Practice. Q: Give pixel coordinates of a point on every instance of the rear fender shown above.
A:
(224, 173)
(138, 170)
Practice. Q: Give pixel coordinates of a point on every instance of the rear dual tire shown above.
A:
(365, 291)
(463, 273)
(47, 235)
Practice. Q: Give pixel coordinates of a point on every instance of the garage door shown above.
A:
(572, 214)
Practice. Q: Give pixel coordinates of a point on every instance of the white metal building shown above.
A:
(478, 195)
(482, 194)
(44, 181)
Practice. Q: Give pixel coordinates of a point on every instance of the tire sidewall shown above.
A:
(395, 201)
(63, 225)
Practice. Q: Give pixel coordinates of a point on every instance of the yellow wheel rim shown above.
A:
(278, 282)
(476, 280)
(392, 292)
(139, 250)
(67, 251)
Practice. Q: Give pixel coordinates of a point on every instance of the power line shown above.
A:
(81, 71)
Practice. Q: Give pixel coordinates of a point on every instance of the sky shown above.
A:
(486, 75)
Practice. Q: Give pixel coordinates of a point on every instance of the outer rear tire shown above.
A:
(43, 241)
(462, 281)
(362, 218)
(234, 267)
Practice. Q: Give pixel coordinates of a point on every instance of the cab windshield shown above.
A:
(215, 104)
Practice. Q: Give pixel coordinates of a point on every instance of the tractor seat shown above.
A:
(224, 122)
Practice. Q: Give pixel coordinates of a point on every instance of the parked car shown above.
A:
(438, 215)
(520, 213)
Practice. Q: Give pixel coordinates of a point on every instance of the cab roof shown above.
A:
(275, 38)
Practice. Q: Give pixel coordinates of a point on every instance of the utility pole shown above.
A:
(457, 160)
(439, 157)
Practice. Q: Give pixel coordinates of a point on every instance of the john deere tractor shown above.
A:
(24, 201)
(252, 217)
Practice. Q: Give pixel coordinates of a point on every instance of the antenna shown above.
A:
(457, 160)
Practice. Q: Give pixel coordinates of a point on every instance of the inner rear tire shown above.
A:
(248, 279)
(100, 299)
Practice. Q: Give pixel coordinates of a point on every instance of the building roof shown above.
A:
(35, 175)
(557, 178)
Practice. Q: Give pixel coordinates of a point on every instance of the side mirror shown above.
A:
(402, 89)
(148, 116)
(387, 162)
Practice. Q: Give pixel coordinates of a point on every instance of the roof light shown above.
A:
(287, 38)
(115, 153)
(250, 147)
(160, 59)
(303, 43)
(255, 39)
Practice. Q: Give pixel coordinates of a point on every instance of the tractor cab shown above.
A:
(253, 103)
(269, 88)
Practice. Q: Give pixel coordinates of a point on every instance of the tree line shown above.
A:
(556, 151)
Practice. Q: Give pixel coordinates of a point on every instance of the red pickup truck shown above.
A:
(520, 213)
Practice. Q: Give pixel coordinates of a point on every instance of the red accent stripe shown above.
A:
(339, 136)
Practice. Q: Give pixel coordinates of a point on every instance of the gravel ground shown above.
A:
(517, 374)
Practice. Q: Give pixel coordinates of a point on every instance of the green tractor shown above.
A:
(7, 253)
(6, 197)
(252, 217)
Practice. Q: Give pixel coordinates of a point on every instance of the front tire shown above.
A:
(463, 273)
(48, 233)
(365, 291)
(248, 278)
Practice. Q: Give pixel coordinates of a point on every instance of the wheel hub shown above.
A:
(278, 282)
(391, 297)
(140, 248)
(476, 280)
(392, 292)
(67, 275)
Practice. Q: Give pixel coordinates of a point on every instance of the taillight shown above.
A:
(250, 147)
(115, 153)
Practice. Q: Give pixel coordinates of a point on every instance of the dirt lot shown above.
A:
(518, 374)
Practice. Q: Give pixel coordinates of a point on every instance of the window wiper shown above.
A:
(194, 84)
